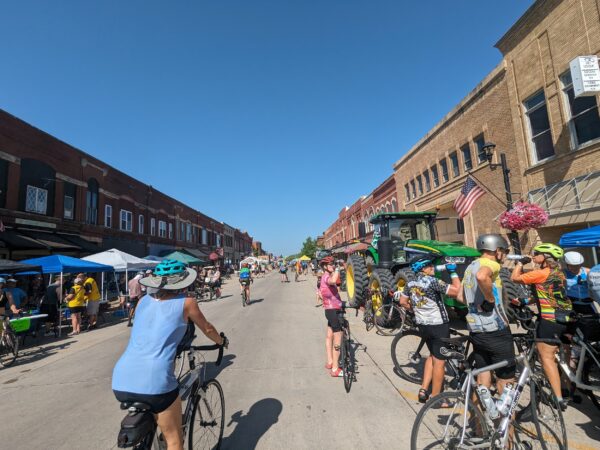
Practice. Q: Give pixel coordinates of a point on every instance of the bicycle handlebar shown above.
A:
(214, 347)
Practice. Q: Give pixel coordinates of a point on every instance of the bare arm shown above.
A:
(11, 303)
(515, 276)
(484, 280)
(455, 287)
(333, 278)
(193, 313)
(404, 302)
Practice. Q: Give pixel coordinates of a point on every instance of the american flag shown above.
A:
(469, 194)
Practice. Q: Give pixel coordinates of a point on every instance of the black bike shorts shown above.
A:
(432, 335)
(494, 347)
(333, 320)
(552, 330)
(77, 309)
(157, 402)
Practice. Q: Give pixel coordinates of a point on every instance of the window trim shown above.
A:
(435, 176)
(476, 139)
(141, 224)
(128, 223)
(427, 179)
(108, 216)
(170, 230)
(65, 208)
(162, 227)
(37, 191)
(575, 145)
(443, 163)
(530, 135)
(455, 168)
(466, 147)
(152, 226)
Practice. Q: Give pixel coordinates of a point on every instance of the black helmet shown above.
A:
(418, 262)
(491, 242)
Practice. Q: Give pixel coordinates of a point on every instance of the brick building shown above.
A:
(557, 136)
(55, 198)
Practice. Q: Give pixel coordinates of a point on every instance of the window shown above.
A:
(407, 192)
(466, 154)
(414, 188)
(126, 220)
(181, 231)
(584, 122)
(539, 127)
(420, 184)
(444, 166)
(69, 200)
(162, 229)
(204, 236)
(479, 143)
(141, 224)
(170, 230)
(91, 199)
(427, 181)
(434, 176)
(37, 200)
(188, 232)
(218, 240)
(454, 162)
(3, 181)
(152, 226)
(108, 216)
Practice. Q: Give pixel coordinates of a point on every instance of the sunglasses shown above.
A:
(537, 253)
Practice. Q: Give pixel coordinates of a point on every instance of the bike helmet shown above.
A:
(573, 258)
(169, 267)
(419, 262)
(491, 242)
(552, 250)
(327, 260)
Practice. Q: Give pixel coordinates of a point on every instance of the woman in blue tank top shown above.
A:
(577, 285)
(145, 371)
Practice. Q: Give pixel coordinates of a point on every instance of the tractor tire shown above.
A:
(380, 284)
(370, 265)
(511, 291)
(401, 279)
(356, 280)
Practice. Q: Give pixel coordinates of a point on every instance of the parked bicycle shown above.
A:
(347, 361)
(9, 343)
(203, 418)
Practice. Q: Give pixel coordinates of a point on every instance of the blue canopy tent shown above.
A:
(59, 264)
(588, 237)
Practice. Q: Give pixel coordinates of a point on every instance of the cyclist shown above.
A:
(6, 300)
(425, 296)
(332, 303)
(553, 303)
(245, 279)
(577, 283)
(283, 271)
(486, 320)
(145, 371)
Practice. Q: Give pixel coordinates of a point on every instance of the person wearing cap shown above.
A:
(487, 321)
(332, 303)
(6, 300)
(50, 302)
(550, 291)
(145, 371)
(577, 282)
(76, 303)
(19, 295)
(425, 296)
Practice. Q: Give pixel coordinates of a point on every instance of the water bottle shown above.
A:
(506, 399)
(486, 398)
(514, 257)
(440, 268)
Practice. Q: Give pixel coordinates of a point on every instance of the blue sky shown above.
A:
(268, 115)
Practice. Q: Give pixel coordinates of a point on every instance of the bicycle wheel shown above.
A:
(368, 317)
(207, 419)
(409, 354)
(436, 427)
(9, 347)
(591, 377)
(547, 415)
(244, 298)
(347, 357)
(389, 319)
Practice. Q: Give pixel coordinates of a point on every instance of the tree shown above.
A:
(309, 247)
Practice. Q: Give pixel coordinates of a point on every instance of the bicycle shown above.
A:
(483, 423)
(9, 343)
(245, 289)
(205, 402)
(389, 319)
(347, 361)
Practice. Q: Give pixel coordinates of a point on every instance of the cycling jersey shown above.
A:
(329, 293)
(550, 290)
(426, 295)
(245, 274)
(577, 284)
(91, 290)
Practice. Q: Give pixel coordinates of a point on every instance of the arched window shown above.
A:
(394, 205)
(91, 202)
(37, 187)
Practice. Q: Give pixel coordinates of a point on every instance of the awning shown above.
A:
(52, 241)
(588, 237)
(15, 241)
(8, 267)
(197, 253)
(84, 244)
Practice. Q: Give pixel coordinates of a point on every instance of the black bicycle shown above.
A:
(9, 343)
(347, 361)
(203, 418)
(245, 286)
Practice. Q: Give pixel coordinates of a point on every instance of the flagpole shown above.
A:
(486, 189)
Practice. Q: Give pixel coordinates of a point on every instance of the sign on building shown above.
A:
(586, 76)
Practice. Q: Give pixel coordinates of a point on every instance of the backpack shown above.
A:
(244, 275)
(593, 282)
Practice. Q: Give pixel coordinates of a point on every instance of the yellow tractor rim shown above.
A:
(350, 281)
(376, 297)
(400, 284)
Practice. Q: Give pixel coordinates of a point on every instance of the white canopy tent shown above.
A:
(121, 261)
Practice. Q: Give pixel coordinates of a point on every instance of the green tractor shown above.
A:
(383, 266)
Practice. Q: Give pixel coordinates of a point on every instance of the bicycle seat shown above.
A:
(137, 405)
(455, 340)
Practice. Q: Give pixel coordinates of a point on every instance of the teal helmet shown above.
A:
(169, 267)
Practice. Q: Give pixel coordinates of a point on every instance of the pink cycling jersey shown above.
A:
(329, 293)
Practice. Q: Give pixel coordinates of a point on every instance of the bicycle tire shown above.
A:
(389, 319)
(9, 348)
(348, 364)
(405, 365)
(423, 424)
(591, 377)
(368, 316)
(547, 415)
(205, 407)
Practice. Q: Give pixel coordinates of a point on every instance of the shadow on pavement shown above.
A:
(258, 300)
(32, 354)
(254, 424)
(212, 371)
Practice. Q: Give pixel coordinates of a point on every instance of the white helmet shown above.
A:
(573, 258)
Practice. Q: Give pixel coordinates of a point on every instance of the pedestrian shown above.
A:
(554, 306)
(135, 293)
(283, 271)
(76, 303)
(19, 296)
(6, 300)
(332, 304)
(36, 291)
(54, 293)
(577, 283)
(425, 297)
(319, 297)
(92, 297)
(487, 322)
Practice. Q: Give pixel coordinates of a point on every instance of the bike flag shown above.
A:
(469, 194)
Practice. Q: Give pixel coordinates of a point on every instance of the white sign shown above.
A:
(586, 76)
(35, 223)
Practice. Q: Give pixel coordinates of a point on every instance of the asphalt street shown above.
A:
(278, 394)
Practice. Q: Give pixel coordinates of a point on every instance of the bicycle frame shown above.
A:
(586, 350)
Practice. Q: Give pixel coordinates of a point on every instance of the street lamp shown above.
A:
(488, 153)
